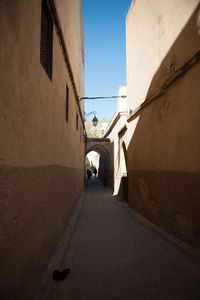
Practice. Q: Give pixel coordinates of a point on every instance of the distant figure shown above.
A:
(89, 174)
(95, 172)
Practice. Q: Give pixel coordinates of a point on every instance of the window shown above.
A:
(76, 121)
(67, 103)
(46, 39)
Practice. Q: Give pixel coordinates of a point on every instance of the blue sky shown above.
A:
(105, 52)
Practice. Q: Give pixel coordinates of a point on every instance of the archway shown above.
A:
(103, 164)
(92, 163)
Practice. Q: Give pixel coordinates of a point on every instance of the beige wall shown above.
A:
(120, 116)
(163, 144)
(71, 20)
(41, 155)
(152, 28)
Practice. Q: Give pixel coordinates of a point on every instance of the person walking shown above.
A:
(95, 172)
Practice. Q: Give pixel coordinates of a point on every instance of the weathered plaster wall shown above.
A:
(151, 30)
(163, 160)
(118, 158)
(41, 155)
(71, 20)
(163, 152)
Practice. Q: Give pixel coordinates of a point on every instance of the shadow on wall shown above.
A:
(163, 154)
(122, 190)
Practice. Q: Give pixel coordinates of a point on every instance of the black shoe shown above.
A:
(60, 275)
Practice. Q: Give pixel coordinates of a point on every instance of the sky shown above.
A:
(104, 24)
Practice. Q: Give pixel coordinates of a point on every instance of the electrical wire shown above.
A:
(88, 98)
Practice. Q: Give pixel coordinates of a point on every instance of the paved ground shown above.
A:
(113, 257)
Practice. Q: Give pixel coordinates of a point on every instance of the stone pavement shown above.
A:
(114, 257)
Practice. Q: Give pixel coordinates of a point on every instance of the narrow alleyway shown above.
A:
(112, 256)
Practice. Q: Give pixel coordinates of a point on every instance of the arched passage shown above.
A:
(92, 163)
(104, 162)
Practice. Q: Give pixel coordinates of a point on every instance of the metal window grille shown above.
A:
(67, 102)
(46, 41)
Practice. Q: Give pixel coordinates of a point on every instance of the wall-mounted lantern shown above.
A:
(95, 121)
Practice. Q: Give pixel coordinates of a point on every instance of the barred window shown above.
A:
(67, 102)
(46, 39)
